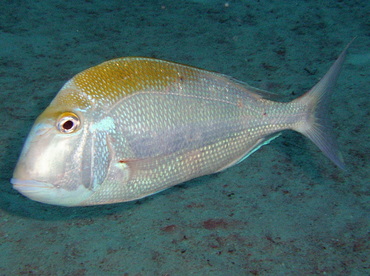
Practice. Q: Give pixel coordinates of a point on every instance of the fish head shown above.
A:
(55, 163)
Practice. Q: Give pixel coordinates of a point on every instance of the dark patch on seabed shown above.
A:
(286, 210)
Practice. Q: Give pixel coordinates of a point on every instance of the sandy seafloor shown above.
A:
(286, 210)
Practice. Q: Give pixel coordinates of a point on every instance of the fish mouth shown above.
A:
(48, 193)
(33, 189)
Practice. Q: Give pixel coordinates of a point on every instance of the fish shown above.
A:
(134, 126)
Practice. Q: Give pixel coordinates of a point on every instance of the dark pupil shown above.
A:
(68, 125)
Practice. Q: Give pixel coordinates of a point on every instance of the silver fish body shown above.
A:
(132, 127)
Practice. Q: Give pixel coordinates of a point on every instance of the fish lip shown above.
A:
(48, 193)
(29, 186)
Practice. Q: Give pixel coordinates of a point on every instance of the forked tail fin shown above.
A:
(317, 126)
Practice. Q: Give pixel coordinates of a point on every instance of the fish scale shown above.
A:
(132, 127)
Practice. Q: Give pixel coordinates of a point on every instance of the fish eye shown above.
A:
(68, 122)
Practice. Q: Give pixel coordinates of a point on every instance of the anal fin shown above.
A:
(260, 142)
